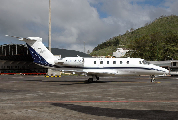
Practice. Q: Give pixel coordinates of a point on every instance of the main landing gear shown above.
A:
(90, 80)
(152, 78)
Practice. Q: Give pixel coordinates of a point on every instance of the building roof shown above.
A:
(161, 63)
(68, 53)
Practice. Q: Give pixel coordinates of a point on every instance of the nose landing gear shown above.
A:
(152, 78)
(90, 80)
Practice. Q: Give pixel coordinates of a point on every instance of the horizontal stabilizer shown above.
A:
(14, 37)
(28, 38)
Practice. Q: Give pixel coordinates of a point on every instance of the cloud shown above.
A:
(172, 6)
(76, 21)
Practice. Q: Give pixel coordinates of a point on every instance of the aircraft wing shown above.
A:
(80, 71)
(100, 73)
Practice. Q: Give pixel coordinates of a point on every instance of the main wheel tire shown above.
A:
(90, 80)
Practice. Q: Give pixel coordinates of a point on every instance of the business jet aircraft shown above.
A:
(95, 67)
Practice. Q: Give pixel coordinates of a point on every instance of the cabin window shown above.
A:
(114, 62)
(120, 62)
(107, 62)
(101, 62)
(174, 63)
(94, 62)
(127, 62)
(140, 62)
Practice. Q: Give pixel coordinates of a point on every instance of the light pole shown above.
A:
(84, 46)
(49, 35)
(49, 39)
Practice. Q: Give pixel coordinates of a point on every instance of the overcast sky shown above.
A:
(77, 21)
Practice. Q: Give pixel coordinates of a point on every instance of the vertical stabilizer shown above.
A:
(41, 55)
(39, 52)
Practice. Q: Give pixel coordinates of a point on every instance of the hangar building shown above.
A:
(16, 58)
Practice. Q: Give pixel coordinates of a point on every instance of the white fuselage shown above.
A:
(112, 66)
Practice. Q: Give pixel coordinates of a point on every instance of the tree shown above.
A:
(170, 46)
(156, 46)
(131, 29)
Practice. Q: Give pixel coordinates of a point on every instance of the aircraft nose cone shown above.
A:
(165, 71)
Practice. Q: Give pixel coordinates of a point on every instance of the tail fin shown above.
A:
(40, 54)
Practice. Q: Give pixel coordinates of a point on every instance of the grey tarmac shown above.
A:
(72, 98)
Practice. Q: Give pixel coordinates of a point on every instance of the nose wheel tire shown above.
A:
(152, 78)
(97, 78)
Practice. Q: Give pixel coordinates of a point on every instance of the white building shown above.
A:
(120, 52)
(174, 67)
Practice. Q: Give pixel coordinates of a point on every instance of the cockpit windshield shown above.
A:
(145, 62)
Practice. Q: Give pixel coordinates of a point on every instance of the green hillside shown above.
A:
(155, 41)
